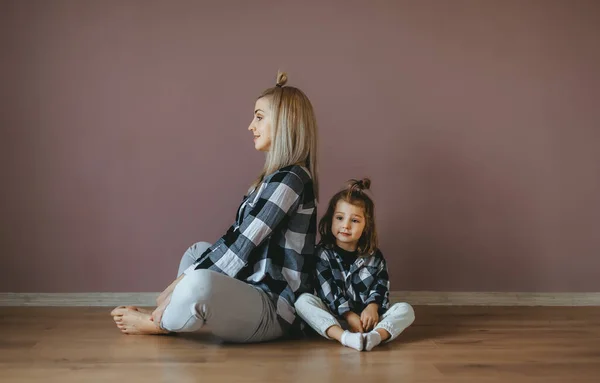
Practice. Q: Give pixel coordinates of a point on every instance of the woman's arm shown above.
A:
(163, 296)
(280, 195)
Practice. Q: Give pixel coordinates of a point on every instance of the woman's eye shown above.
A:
(355, 220)
(338, 218)
(259, 118)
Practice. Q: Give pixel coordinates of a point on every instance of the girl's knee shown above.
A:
(304, 300)
(403, 309)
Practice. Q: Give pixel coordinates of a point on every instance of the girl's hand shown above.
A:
(354, 322)
(369, 317)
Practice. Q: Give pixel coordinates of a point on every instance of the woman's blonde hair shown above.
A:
(294, 131)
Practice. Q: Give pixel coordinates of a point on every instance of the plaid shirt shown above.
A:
(344, 290)
(271, 244)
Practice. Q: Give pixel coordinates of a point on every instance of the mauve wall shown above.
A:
(123, 134)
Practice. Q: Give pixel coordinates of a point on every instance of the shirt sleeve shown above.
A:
(328, 287)
(380, 289)
(280, 195)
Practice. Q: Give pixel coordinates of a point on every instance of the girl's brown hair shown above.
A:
(355, 194)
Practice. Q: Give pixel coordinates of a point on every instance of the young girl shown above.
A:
(243, 288)
(352, 277)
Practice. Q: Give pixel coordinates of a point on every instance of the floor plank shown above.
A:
(446, 344)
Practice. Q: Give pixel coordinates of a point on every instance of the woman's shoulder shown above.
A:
(298, 171)
(295, 176)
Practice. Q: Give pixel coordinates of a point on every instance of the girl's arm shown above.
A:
(281, 194)
(327, 288)
(380, 289)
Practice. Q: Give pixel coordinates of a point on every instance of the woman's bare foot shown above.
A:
(142, 310)
(132, 320)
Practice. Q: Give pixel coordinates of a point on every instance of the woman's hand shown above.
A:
(157, 314)
(168, 291)
(163, 300)
(354, 322)
(370, 317)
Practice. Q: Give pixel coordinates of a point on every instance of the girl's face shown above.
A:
(261, 125)
(347, 225)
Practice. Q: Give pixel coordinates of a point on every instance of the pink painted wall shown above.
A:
(123, 134)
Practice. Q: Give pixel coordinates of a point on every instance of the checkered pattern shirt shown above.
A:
(343, 290)
(271, 244)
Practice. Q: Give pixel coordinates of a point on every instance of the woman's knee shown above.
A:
(194, 289)
(188, 302)
(197, 249)
(196, 285)
(191, 255)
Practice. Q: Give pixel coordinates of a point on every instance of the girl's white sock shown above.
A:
(353, 340)
(372, 339)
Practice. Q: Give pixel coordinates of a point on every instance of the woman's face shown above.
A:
(261, 125)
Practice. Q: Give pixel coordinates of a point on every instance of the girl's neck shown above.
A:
(351, 247)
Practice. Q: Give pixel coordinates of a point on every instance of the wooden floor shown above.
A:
(446, 344)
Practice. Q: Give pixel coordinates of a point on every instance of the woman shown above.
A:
(243, 288)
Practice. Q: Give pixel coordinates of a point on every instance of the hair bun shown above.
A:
(365, 183)
(359, 185)
(281, 79)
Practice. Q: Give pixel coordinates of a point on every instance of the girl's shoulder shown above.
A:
(378, 254)
(375, 259)
(324, 252)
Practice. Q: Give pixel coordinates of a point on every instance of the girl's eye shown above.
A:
(338, 218)
(259, 118)
(355, 221)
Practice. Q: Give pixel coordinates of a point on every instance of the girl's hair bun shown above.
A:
(359, 185)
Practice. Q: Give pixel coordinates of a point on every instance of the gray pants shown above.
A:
(312, 309)
(229, 308)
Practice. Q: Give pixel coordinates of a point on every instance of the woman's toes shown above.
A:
(117, 310)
